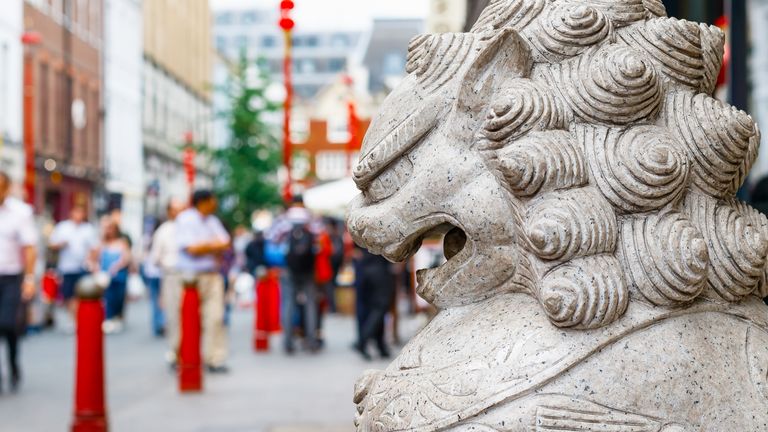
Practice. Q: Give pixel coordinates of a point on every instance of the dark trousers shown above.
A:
(299, 294)
(11, 318)
(372, 328)
(375, 291)
(114, 298)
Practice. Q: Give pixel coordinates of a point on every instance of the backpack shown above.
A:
(301, 251)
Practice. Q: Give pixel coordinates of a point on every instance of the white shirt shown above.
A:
(191, 229)
(79, 240)
(17, 230)
(164, 253)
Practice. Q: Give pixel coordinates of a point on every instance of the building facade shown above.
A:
(386, 53)
(319, 56)
(176, 85)
(123, 42)
(66, 66)
(11, 28)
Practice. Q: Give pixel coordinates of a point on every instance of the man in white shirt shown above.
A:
(163, 255)
(18, 240)
(77, 242)
(201, 240)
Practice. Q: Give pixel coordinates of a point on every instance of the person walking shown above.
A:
(164, 255)
(336, 232)
(152, 277)
(324, 280)
(201, 241)
(76, 241)
(114, 260)
(375, 287)
(297, 280)
(18, 240)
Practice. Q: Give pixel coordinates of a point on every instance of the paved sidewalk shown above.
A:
(263, 393)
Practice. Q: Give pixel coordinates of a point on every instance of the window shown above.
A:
(66, 11)
(84, 131)
(95, 129)
(83, 15)
(305, 66)
(241, 41)
(248, 18)
(338, 130)
(312, 41)
(268, 42)
(221, 43)
(336, 64)
(298, 41)
(331, 165)
(394, 64)
(224, 18)
(339, 40)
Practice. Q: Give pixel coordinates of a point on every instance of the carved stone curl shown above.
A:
(600, 274)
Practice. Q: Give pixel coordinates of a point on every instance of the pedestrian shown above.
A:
(114, 260)
(241, 239)
(18, 240)
(201, 241)
(164, 255)
(297, 280)
(76, 241)
(336, 233)
(152, 276)
(255, 256)
(323, 279)
(375, 288)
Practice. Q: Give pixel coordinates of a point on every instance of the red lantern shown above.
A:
(287, 24)
(189, 165)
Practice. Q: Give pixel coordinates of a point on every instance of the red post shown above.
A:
(286, 24)
(267, 313)
(90, 408)
(190, 364)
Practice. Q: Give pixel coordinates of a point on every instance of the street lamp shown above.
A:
(29, 39)
(286, 23)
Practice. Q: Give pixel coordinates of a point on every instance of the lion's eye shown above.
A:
(390, 181)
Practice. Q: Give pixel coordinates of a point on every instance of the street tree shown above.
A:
(247, 167)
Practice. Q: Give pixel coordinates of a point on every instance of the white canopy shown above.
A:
(331, 199)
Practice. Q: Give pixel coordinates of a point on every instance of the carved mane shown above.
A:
(620, 163)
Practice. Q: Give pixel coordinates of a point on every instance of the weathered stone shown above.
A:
(601, 274)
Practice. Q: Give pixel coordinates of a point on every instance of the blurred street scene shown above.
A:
(153, 146)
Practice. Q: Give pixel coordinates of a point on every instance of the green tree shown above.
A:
(247, 167)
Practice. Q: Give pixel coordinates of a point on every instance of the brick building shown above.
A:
(66, 70)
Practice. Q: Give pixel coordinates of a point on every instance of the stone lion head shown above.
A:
(570, 150)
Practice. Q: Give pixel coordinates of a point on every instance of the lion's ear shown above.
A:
(505, 56)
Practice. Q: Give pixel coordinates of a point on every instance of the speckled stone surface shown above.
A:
(600, 274)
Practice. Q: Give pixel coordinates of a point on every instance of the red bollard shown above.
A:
(267, 313)
(190, 363)
(90, 409)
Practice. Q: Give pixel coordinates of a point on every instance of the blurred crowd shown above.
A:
(289, 263)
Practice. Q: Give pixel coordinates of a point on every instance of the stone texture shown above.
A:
(601, 275)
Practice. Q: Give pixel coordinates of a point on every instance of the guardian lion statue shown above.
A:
(600, 275)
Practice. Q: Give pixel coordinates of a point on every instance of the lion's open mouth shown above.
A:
(457, 248)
